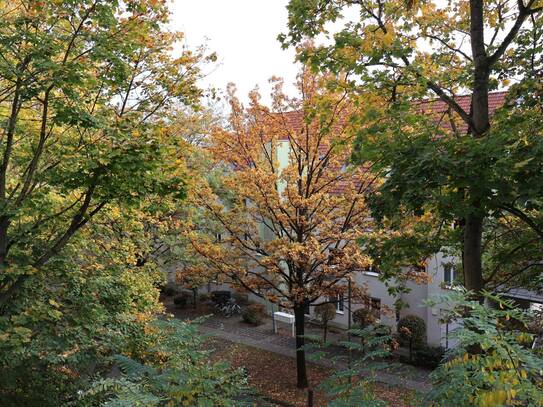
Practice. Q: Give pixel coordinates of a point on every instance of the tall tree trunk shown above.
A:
(301, 371)
(5, 218)
(473, 271)
(473, 229)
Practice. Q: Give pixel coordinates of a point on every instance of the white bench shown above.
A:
(284, 317)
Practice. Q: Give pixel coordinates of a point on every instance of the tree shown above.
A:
(90, 304)
(507, 371)
(441, 156)
(177, 371)
(91, 168)
(85, 86)
(294, 208)
(326, 313)
(353, 386)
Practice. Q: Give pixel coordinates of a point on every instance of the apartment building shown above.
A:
(439, 268)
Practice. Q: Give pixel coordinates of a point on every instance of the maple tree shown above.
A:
(95, 99)
(441, 155)
(85, 86)
(291, 208)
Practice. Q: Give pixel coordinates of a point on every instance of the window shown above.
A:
(339, 302)
(374, 269)
(448, 271)
(218, 238)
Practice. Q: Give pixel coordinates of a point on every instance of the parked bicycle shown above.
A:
(229, 307)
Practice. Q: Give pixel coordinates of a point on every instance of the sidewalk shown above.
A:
(263, 337)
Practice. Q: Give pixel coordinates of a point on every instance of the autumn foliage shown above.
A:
(296, 209)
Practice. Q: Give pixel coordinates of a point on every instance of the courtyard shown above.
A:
(269, 358)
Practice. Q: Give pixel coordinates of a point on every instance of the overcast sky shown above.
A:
(243, 33)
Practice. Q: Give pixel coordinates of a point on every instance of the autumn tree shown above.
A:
(294, 207)
(91, 166)
(506, 373)
(84, 89)
(434, 65)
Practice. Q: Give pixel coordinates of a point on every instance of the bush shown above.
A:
(429, 356)
(253, 313)
(364, 317)
(163, 371)
(220, 297)
(169, 290)
(241, 298)
(205, 297)
(181, 301)
(490, 377)
(325, 313)
(412, 330)
(382, 330)
(412, 333)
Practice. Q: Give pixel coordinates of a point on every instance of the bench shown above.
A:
(284, 317)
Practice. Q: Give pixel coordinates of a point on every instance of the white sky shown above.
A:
(243, 33)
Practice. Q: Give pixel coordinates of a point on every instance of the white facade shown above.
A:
(378, 291)
(436, 331)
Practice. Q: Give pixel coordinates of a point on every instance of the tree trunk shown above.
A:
(473, 273)
(301, 371)
(325, 328)
(473, 229)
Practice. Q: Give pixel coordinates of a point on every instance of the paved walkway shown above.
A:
(263, 337)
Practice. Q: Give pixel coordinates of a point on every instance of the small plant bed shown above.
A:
(274, 376)
(187, 312)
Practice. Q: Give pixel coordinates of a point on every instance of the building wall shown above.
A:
(414, 300)
(375, 288)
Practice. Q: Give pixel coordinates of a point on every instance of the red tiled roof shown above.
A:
(438, 108)
(495, 100)
(294, 119)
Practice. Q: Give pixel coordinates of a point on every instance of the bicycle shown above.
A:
(230, 308)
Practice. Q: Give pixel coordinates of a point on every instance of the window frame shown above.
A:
(448, 269)
(339, 303)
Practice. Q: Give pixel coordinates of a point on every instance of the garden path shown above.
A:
(263, 337)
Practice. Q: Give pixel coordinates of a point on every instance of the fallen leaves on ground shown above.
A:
(274, 375)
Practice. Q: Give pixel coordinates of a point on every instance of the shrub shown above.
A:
(180, 301)
(169, 290)
(325, 313)
(364, 317)
(163, 373)
(220, 297)
(429, 356)
(502, 373)
(204, 297)
(412, 330)
(241, 298)
(382, 330)
(253, 313)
